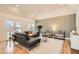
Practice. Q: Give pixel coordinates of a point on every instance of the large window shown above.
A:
(31, 27)
(18, 26)
(9, 26)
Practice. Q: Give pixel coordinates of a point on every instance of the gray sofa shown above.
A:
(26, 41)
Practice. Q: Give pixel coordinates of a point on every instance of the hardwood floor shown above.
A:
(17, 50)
(21, 50)
(73, 51)
(67, 49)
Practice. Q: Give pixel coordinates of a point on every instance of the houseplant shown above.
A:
(39, 29)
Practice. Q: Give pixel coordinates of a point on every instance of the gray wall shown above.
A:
(66, 23)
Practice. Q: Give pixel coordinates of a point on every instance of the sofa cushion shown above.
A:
(21, 38)
(23, 34)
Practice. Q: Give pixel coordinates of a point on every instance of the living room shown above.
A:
(48, 28)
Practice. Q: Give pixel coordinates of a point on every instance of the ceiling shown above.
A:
(32, 10)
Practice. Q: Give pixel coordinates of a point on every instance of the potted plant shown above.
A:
(39, 29)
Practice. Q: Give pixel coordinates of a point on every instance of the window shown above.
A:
(18, 26)
(9, 26)
(31, 27)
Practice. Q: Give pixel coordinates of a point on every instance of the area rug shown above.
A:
(52, 46)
